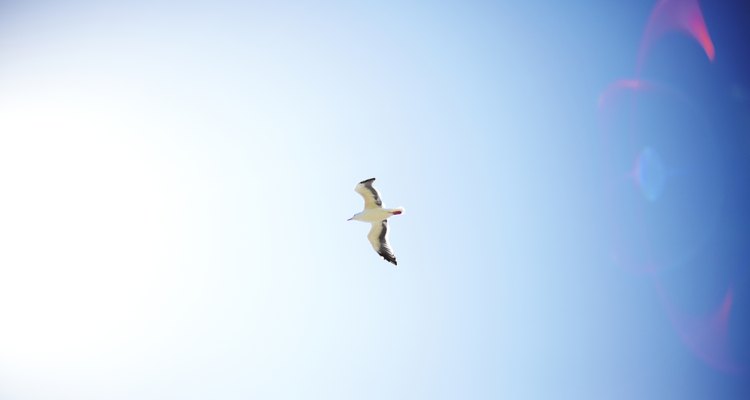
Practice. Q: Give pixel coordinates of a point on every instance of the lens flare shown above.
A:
(676, 16)
(649, 174)
(644, 123)
(612, 90)
(705, 335)
(659, 148)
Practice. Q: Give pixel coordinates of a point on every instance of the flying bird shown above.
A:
(377, 216)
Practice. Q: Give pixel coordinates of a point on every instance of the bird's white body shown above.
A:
(377, 216)
(373, 215)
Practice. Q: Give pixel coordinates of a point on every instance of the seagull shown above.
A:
(377, 216)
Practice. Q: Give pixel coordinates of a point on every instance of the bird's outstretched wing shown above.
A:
(378, 238)
(371, 196)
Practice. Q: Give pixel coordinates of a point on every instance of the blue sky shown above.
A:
(177, 179)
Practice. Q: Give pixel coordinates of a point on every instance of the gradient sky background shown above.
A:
(176, 178)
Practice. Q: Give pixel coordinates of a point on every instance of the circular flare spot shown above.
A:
(664, 175)
(649, 174)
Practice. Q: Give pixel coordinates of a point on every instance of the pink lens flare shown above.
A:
(621, 85)
(665, 196)
(676, 16)
(706, 335)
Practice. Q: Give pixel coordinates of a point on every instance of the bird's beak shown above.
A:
(350, 219)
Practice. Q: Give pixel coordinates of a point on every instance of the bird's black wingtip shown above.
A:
(367, 181)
